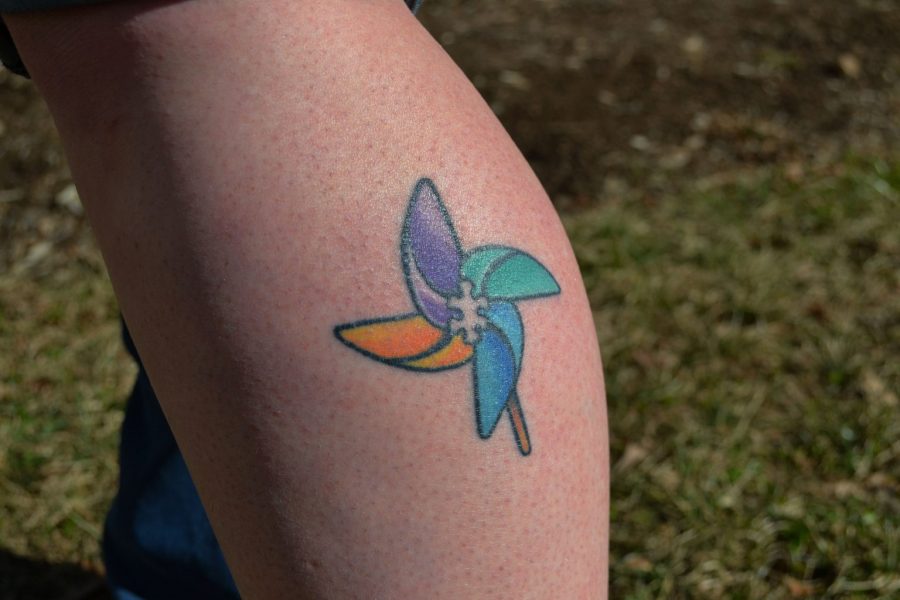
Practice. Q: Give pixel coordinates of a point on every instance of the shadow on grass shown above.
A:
(24, 578)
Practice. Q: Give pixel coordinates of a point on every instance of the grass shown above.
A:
(750, 328)
(751, 332)
(63, 379)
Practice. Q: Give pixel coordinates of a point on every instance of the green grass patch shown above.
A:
(751, 331)
(63, 380)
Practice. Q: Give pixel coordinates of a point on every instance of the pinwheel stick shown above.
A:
(517, 418)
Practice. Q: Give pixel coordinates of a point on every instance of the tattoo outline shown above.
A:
(465, 312)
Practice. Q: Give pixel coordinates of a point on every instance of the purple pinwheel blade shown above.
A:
(432, 305)
(431, 252)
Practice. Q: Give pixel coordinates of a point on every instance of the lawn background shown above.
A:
(729, 175)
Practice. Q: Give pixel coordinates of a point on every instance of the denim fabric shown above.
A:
(9, 56)
(158, 542)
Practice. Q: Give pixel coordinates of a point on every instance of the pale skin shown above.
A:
(245, 168)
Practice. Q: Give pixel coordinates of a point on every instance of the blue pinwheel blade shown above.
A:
(495, 375)
(505, 317)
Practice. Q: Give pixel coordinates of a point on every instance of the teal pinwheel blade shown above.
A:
(503, 273)
(495, 373)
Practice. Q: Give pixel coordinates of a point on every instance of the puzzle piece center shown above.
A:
(471, 322)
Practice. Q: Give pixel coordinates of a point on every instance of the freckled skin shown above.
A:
(247, 200)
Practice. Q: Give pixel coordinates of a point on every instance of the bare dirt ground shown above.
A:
(601, 93)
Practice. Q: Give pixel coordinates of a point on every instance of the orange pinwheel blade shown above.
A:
(407, 341)
(447, 356)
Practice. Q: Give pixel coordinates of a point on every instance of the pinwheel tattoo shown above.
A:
(465, 312)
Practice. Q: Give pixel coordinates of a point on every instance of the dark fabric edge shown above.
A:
(9, 56)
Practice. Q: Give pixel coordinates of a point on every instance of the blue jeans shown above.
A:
(158, 542)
